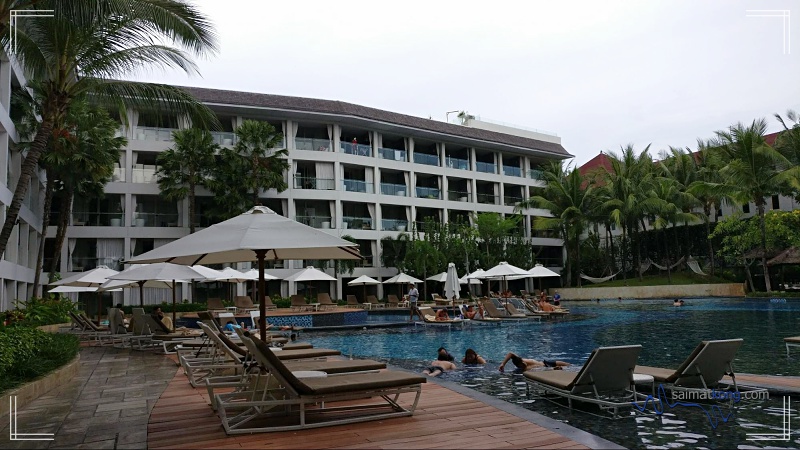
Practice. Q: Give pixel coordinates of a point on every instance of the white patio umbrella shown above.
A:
(254, 273)
(540, 271)
(91, 278)
(451, 285)
(467, 280)
(363, 280)
(504, 271)
(158, 271)
(402, 278)
(257, 235)
(309, 274)
(440, 277)
(233, 276)
(71, 289)
(475, 276)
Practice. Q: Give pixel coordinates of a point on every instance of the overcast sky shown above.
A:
(600, 74)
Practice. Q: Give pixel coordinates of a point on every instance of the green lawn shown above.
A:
(659, 280)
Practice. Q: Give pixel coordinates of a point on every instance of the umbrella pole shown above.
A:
(99, 303)
(262, 304)
(141, 293)
(173, 305)
(364, 298)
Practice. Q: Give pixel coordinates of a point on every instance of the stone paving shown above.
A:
(106, 406)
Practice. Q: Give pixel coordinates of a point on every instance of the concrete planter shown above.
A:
(29, 392)
(642, 292)
(53, 328)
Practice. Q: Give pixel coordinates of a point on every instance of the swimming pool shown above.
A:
(667, 334)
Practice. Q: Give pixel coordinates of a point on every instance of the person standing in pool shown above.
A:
(472, 357)
(525, 364)
(557, 299)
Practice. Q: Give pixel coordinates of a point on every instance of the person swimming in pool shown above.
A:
(439, 367)
(472, 357)
(525, 364)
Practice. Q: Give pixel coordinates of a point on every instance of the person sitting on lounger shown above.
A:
(527, 364)
(472, 357)
(442, 316)
(471, 313)
(439, 367)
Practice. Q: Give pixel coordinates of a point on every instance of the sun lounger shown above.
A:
(244, 304)
(703, 369)
(166, 338)
(392, 301)
(299, 303)
(514, 312)
(324, 300)
(791, 342)
(429, 318)
(479, 319)
(268, 303)
(372, 302)
(215, 304)
(303, 403)
(491, 310)
(353, 301)
(605, 379)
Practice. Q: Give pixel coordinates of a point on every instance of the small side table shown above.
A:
(315, 305)
(640, 378)
(231, 309)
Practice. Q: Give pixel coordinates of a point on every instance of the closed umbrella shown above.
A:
(363, 280)
(159, 271)
(451, 285)
(91, 278)
(257, 235)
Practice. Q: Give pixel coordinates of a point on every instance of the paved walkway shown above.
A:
(107, 405)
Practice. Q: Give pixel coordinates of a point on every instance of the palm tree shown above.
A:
(571, 202)
(186, 166)
(709, 164)
(83, 50)
(666, 198)
(754, 171)
(253, 165)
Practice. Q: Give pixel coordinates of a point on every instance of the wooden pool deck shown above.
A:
(784, 384)
(182, 418)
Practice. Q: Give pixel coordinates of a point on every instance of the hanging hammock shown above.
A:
(679, 262)
(692, 263)
(643, 267)
(599, 280)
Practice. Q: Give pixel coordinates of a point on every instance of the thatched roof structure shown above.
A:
(788, 256)
(756, 253)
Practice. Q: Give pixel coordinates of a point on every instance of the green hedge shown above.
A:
(27, 353)
(40, 311)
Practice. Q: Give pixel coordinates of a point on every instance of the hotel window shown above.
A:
(776, 202)
(746, 208)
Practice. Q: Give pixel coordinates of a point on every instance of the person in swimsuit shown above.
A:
(439, 367)
(472, 357)
(442, 316)
(528, 364)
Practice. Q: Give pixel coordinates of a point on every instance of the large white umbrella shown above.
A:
(233, 276)
(504, 271)
(158, 271)
(451, 285)
(71, 289)
(309, 274)
(254, 273)
(402, 278)
(257, 235)
(207, 271)
(540, 271)
(363, 280)
(440, 277)
(467, 280)
(91, 278)
(476, 276)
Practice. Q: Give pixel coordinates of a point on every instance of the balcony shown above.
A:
(358, 186)
(118, 175)
(487, 199)
(511, 200)
(394, 225)
(458, 196)
(356, 149)
(144, 175)
(315, 221)
(144, 219)
(536, 174)
(394, 189)
(393, 154)
(224, 137)
(424, 158)
(485, 167)
(366, 261)
(428, 192)
(154, 134)
(512, 171)
(357, 223)
(320, 184)
(318, 145)
(97, 219)
(457, 163)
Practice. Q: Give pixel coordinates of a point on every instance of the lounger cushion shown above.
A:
(297, 346)
(336, 366)
(557, 378)
(305, 353)
(792, 340)
(231, 345)
(360, 382)
(659, 374)
(175, 336)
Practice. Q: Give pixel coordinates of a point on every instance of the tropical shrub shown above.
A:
(41, 311)
(27, 353)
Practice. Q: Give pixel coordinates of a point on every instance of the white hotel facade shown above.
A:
(355, 171)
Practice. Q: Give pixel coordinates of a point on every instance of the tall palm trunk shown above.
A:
(63, 222)
(749, 275)
(624, 253)
(707, 212)
(29, 166)
(762, 222)
(613, 261)
(191, 206)
(578, 258)
(48, 202)
(638, 261)
(669, 260)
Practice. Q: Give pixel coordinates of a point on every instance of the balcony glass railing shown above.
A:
(487, 199)
(315, 221)
(317, 145)
(458, 196)
(98, 219)
(143, 219)
(457, 163)
(320, 184)
(154, 134)
(118, 175)
(394, 225)
(393, 154)
(367, 261)
(424, 158)
(224, 137)
(356, 149)
(512, 171)
(399, 190)
(428, 192)
(144, 175)
(485, 167)
(536, 174)
(202, 220)
(357, 223)
(358, 186)
(79, 264)
(511, 200)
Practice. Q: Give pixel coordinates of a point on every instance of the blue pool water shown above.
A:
(667, 334)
